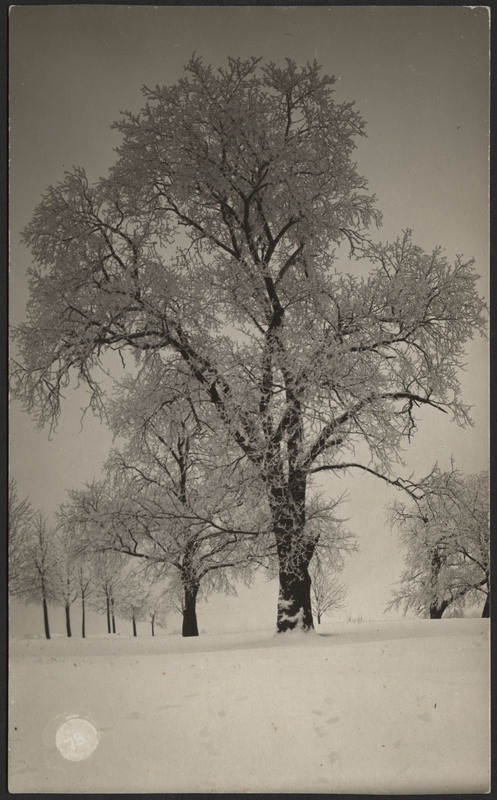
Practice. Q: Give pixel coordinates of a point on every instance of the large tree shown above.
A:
(445, 535)
(217, 240)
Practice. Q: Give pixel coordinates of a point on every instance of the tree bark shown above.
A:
(190, 626)
(437, 609)
(134, 626)
(438, 560)
(294, 555)
(45, 617)
(294, 598)
(68, 620)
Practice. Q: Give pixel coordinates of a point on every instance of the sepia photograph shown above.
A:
(248, 500)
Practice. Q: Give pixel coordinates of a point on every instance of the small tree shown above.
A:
(98, 574)
(143, 522)
(197, 508)
(65, 574)
(34, 577)
(132, 600)
(20, 521)
(86, 584)
(158, 605)
(108, 584)
(445, 534)
(327, 593)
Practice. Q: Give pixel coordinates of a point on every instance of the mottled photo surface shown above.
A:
(248, 467)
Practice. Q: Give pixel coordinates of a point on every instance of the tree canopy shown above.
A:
(445, 535)
(217, 242)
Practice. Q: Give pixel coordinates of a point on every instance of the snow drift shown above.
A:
(390, 707)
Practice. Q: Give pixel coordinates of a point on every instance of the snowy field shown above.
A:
(388, 707)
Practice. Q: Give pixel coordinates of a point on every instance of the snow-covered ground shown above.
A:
(387, 707)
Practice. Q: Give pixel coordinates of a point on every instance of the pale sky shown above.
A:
(418, 75)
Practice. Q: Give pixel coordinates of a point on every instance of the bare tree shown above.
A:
(445, 535)
(86, 585)
(95, 575)
(20, 521)
(327, 593)
(108, 581)
(191, 503)
(158, 604)
(34, 579)
(217, 241)
(132, 601)
(65, 574)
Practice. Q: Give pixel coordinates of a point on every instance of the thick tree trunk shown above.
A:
(45, 618)
(134, 626)
(294, 555)
(437, 609)
(107, 601)
(294, 599)
(438, 560)
(68, 619)
(486, 608)
(190, 626)
(83, 620)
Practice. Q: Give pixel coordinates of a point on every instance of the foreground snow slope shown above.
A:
(372, 707)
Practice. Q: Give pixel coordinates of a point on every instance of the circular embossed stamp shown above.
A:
(76, 739)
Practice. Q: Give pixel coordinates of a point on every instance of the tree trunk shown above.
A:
(107, 601)
(486, 608)
(191, 586)
(319, 618)
(112, 615)
(134, 625)
(294, 599)
(190, 627)
(152, 623)
(68, 619)
(45, 618)
(437, 609)
(83, 620)
(294, 554)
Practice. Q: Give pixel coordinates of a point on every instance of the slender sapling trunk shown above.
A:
(107, 601)
(68, 619)
(486, 608)
(45, 618)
